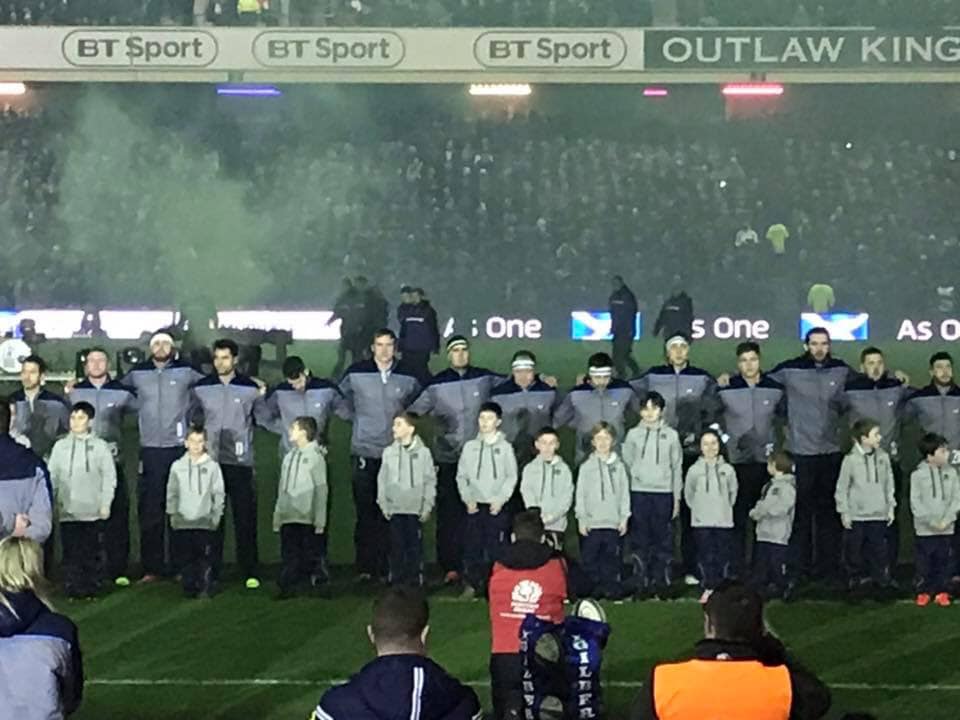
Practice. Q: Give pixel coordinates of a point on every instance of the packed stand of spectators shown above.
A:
(526, 214)
(515, 13)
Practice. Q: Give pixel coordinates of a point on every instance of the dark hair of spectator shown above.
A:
(384, 332)
(599, 360)
(226, 344)
(400, 616)
(867, 352)
(528, 525)
(408, 417)
(97, 349)
(547, 431)
(197, 430)
(736, 613)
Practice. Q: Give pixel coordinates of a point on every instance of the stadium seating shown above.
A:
(544, 13)
(477, 198)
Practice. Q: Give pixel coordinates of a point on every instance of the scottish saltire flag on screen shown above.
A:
(595, 325)
(841, 326)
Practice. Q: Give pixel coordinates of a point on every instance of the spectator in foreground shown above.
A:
(402, 681)
(529, 578)
(737, 664)
(25, 502)
(41, 669)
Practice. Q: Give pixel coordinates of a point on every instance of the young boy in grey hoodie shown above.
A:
(654, 457)
(84, 480)
(867, 506)
(300, 515)
(710, 491)
(603, 511)
(486, 479)
(195, 497)
(935, 503)
(547, 485)
(773, 515)
(406, 492)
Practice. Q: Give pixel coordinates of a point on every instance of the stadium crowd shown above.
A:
(511, 13)
(755, 210)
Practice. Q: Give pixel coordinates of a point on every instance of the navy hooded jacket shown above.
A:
(400, 687)
(41, 669)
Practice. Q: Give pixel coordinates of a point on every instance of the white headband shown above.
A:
(523, 363)
(676, 340)
(161, 337)
(601, 371)
(457, 344)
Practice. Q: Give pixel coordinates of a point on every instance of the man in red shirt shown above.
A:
(530, 578)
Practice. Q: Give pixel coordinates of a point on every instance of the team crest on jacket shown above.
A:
(526, 596)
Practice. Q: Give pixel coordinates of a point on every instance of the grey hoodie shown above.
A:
(603, 493)
(407, 481)
(302, 492)
(934, 499)
(195, 494)
(84, 477)
(774, 510)
(865, 489)
(487, 472)
(655, 459)
(710, 491)
(548, 486)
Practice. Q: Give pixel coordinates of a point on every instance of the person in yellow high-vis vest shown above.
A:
(737, 672)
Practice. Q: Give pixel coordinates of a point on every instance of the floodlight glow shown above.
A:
(12, 88)
(753, 90)
(248, 91)
(501, 90)
(655, 92)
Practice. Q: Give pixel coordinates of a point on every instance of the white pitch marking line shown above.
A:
(282, 682)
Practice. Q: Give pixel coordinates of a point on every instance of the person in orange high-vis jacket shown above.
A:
(738, 671)
(530, 578)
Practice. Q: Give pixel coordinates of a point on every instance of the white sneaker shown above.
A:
(690, 580)
(705, 596)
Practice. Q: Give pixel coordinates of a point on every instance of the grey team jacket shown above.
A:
(371, 402)
(585, 406)
(283, 404)
(749, 417)
(454, 398)
(525, 412)
(655, 459)
(111, 402)
(691, 396)
(710, 490)
(939, 413)
(880, 400)
(24, 489)
(226, 411)
(42, 421)
(163, 401)
(813, 402)
(865, 489)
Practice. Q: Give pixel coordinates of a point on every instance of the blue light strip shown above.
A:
(248, 91)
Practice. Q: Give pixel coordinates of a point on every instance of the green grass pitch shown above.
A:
(150, 654)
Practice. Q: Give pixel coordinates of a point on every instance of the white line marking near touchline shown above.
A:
(291, 682)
